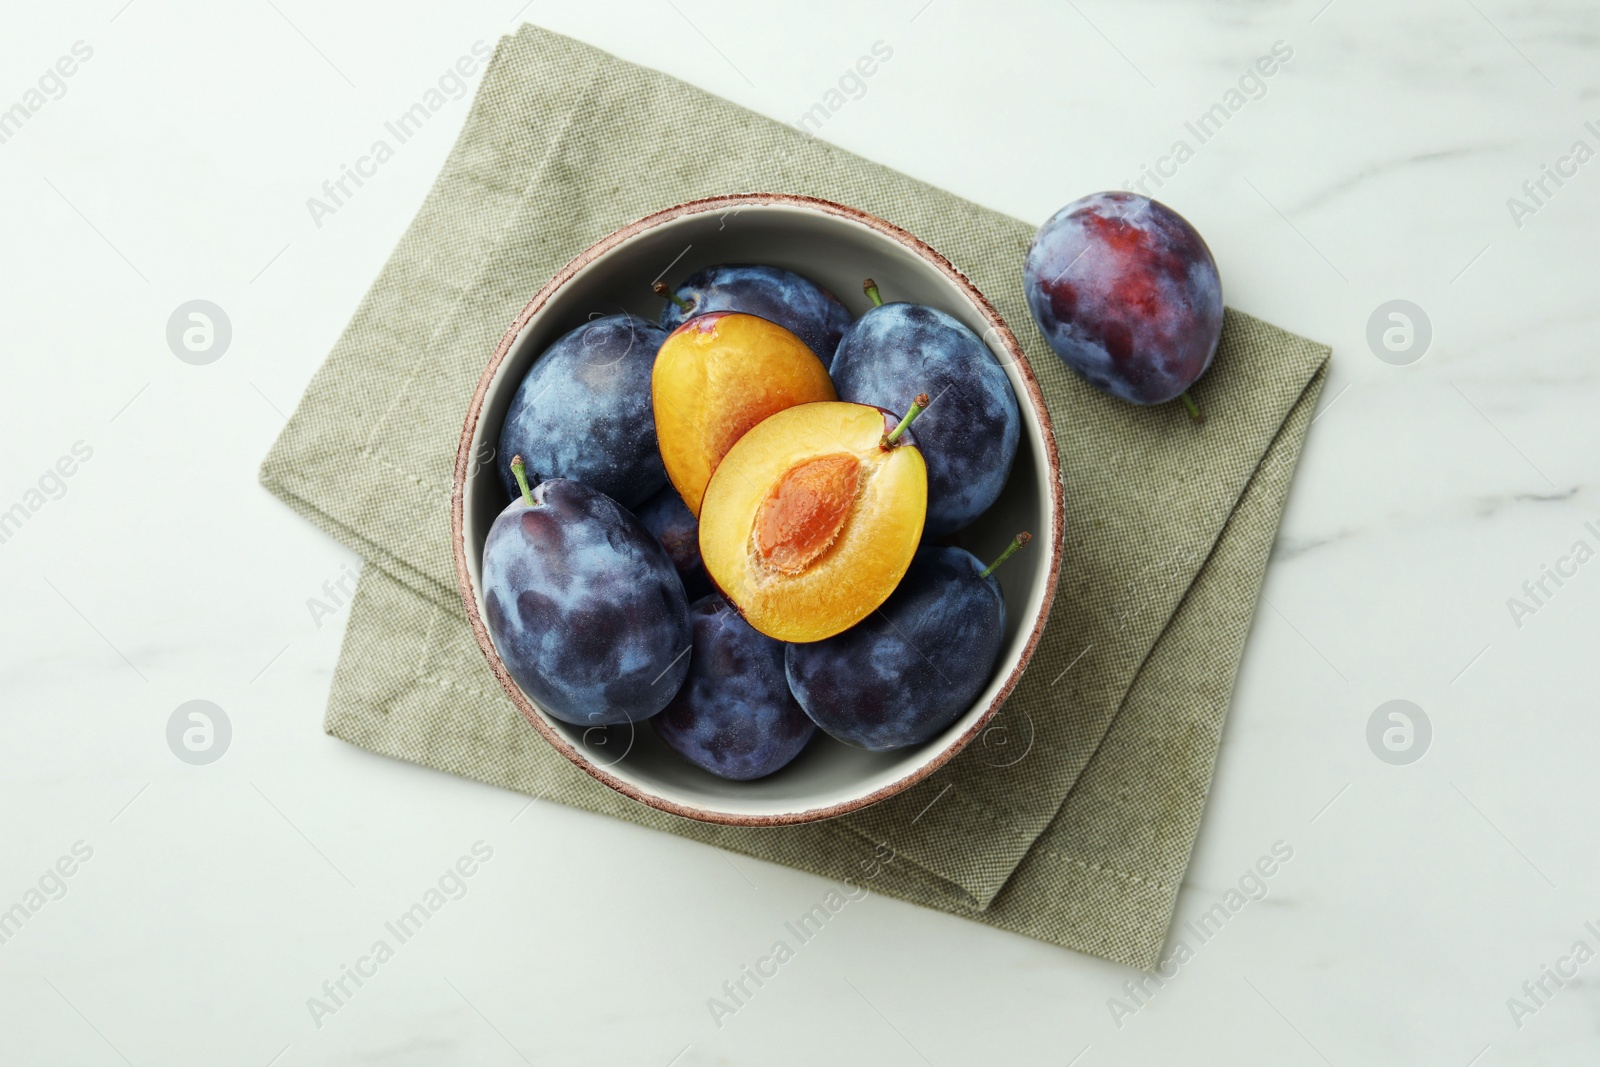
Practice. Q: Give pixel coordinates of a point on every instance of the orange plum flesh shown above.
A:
(715, 377)
(811, 519)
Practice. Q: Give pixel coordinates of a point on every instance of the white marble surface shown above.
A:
(1376, 165)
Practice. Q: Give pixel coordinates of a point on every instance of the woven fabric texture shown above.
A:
(1071, 818)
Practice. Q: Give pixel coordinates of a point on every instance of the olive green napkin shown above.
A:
(1072, 817)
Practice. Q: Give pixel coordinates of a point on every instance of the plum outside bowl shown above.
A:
(836, 246)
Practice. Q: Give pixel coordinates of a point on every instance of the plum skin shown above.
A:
(583, 412)
(969, 434)
(584, 607)
(1126, 292)
(791, 300)
(669, 518)
(734, 716)
(910, 669)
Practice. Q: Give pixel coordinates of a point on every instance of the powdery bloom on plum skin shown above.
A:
(584, 606)
(796, 303)
(910, 669)
(1127, 294)
(583, 411)
(669, 518)
(734, 715)
(968, 436)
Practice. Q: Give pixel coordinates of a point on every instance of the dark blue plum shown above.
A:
(583, 412)
(584, 606)
(969, 435)
(911, 668)
(735, 716)
(669, 518)
(1127, 294)
(794, 302)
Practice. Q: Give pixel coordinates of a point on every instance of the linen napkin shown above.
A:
(1071, 818)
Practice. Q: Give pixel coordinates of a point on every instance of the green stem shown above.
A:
(870, 287)
(519, 471)
(1016, 543)
(1192, 407)
(918, 406)
(661, 289)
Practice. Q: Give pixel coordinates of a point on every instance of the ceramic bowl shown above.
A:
(836, 246)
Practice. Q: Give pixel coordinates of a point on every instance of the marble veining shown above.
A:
(1444, 868)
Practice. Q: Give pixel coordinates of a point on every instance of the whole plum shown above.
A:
(668, 517)
(968, 435)
(584, 606)
(1127, 294)
(791, 300)
(734, 716)
(583, 411)
(910, 669)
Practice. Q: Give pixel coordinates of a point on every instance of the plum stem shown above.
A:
(918, 406)
(870, 287)
(661, 289)
(1191, 407)
(519, 471)
(1016, 543)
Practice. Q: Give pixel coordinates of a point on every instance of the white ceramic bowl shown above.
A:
(836, 246)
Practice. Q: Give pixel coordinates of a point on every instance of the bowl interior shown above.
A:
(838, 252)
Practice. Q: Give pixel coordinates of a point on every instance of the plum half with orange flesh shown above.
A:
(714, 378)
(812, 518)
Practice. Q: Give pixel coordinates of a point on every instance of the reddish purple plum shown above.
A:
(669, 518)
(791, 300)
(910, 669)
(734, 716)
(1127, 294)
(583, 605)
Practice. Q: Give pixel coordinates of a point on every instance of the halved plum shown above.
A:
(714, 378)
(813, 516)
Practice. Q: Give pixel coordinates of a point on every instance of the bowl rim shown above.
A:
(464, 451)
